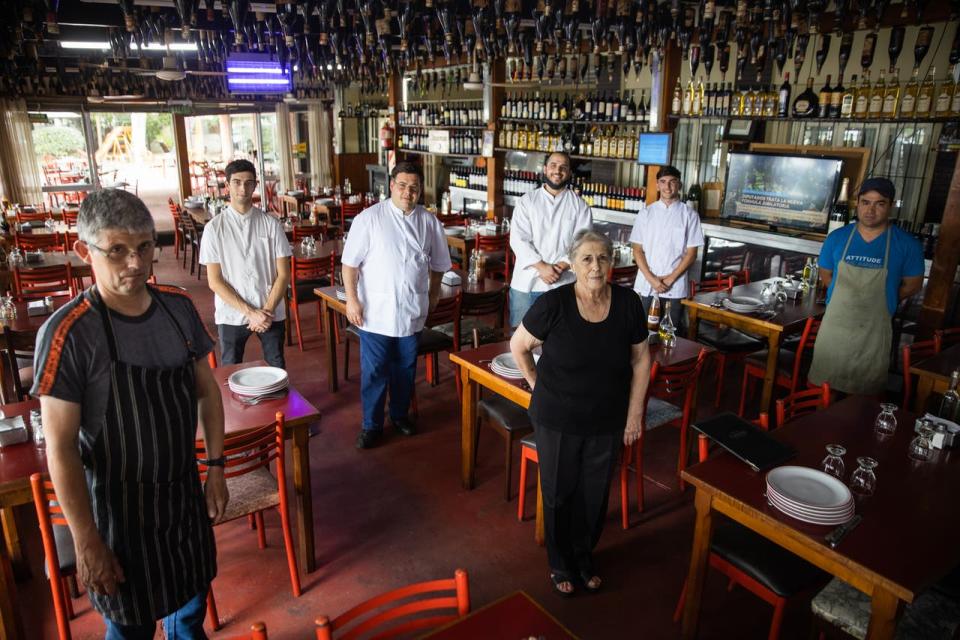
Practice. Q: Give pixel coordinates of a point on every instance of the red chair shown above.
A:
(729, 343)
(258, 631)
(37, 213)
(55, 541)
(348, 211)
(791, 365)
(306, 274)
(253, 489)
(39, 241)
(70, 216)
(913, 353)
(452, 220)
(670, 400)
(316, 231)
(67, 238)
(40, 282)
(175, 214)
(802, 402)
(946, 337)
(624, 276)
(392, 614)
(497, 251)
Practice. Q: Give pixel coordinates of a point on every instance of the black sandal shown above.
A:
(586, 577)
(558, 579)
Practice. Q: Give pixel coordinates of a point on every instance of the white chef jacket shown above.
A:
(246, 246)
(665, 233)
(542, 228)
(395, 254)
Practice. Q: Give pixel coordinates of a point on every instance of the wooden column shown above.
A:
(944, 268)
(669, 72)
(183, 158)
(495, 164)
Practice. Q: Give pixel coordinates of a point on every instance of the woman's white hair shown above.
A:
(583, 236)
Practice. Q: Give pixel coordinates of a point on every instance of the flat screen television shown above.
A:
(653, 148)
(795, 192)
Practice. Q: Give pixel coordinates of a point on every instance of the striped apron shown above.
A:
(147, 500)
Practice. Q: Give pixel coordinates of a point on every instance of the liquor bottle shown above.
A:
(922, 46)
(806, 105)
(821, 55)
(836, 98)
(908, 105)
(736, 103)
(895, 46)
(783, 97)
(631, 109)
(688, 98)
(696, 106)
(746, 102)
(727, 102)
(875, 109)
(841, 208)
(926, 95)
(770, 97)
(891, 96)
(653, 315)
(642, 107)
(615, 109)
(949, 406)
(869, 47)
(955, 100)
(677, 105)
(848, 99)
(861, 100)
(666, 331)
(824, 98)
(846, 44)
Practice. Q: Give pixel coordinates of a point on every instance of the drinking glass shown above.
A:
(921, 447)
(833, 463)
(886, 422)
(863, 481)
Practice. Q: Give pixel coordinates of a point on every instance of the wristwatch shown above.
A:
(213, 462)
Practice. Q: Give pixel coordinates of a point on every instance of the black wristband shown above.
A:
(213, 462)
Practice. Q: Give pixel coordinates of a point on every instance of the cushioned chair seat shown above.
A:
(467, 325)
(931, 616)
(432, 341)
(727, 338)
(660, 413)
(512, 416)
(63, 539)
(784, 361)
(251, 492)
(305, 289)
(771, 565)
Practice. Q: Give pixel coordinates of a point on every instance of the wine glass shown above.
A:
(921, 447)
(886, 422)
(833, 463)
(863, 481)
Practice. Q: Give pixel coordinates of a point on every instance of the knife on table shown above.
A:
(834, 537)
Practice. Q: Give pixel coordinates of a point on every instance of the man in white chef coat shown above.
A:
(541, 232)
(665, 238)
(394, 258)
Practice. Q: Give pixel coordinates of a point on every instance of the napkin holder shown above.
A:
(37, 308)
(13, 431)
(452, 279)
(946, 433)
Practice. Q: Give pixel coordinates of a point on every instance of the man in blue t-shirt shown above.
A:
(868, 268)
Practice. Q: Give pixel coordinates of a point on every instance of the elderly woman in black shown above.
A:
(588, 390)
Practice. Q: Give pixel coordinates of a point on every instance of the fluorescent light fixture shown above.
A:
(282, 82)
(257, 70)
(84, 44)
(257, 73)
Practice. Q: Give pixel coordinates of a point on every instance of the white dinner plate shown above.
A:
(810, 487)
(827, 522)
(817, 513)
(259, 392)
(512, 375)
(256, 378)
(771, 491)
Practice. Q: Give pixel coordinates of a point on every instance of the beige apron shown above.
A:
(852, 351)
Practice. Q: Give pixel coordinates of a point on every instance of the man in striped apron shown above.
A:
(123, 382)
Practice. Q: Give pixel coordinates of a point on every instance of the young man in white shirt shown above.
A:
(393, 262)
(247, 256)
(665, 238)
(541, 232)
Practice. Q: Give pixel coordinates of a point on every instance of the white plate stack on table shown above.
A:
(742, 304)
(258, 381)
(504, 365)
(810, 495)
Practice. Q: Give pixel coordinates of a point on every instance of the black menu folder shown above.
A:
(748, 442)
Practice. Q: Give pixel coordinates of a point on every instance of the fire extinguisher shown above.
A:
(386, 135)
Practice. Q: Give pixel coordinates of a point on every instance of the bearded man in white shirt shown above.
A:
(247, 256)
(665, 238)
(541, 232)
(393, 261)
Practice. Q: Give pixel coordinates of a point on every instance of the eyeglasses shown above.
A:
(121, 253)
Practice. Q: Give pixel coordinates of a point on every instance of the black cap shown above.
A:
(881, 185)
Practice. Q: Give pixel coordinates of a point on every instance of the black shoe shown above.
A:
(405, 426)
(368, 439)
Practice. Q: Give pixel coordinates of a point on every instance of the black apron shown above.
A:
(148, 503)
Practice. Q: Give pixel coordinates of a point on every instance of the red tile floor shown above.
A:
(397, 514)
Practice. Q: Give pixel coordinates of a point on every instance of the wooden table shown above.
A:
(934, 374)
(513, 617)
(298, 416)
(791, 318)
(17, 463)
(465, 245)
(905, 543)
(475, 373)
(331, 306)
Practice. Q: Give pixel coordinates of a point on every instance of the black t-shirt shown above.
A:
(584, 373)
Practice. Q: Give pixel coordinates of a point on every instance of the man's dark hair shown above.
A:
(407, 167)
(669, 171)
(112, 209)
(566, 155)
(239, 166)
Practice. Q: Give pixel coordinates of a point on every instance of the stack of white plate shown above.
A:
(742, 304)
(258, 381)
(810, 495)
(504, 365)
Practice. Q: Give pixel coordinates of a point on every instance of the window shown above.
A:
(61, 147)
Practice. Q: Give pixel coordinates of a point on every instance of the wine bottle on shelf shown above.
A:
(822, 52)
(955, 100)
(677, 105)
(944, 97)
(688, 98)
(841, 208)
(891, 95)
(861, 99)
(922, 46)
(846, 44)
(875, 108)
(770, 97)
(826, 92)
(746, 102)
(848, 99)
(807, 104)
(783, 97)
(908, 105)
(736, 103)
(869, 47)
(631, 110)
(836, 98)
(895, 46)
(642, 107)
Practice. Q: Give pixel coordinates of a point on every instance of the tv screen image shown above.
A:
(653, 148)
(781, 190)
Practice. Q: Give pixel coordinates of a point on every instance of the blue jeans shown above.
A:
(233, 339)
(520, 303)
(386, 361)
(186, 623)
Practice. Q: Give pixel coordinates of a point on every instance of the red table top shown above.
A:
(240, 417)
(514, 617)
(19, 461)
